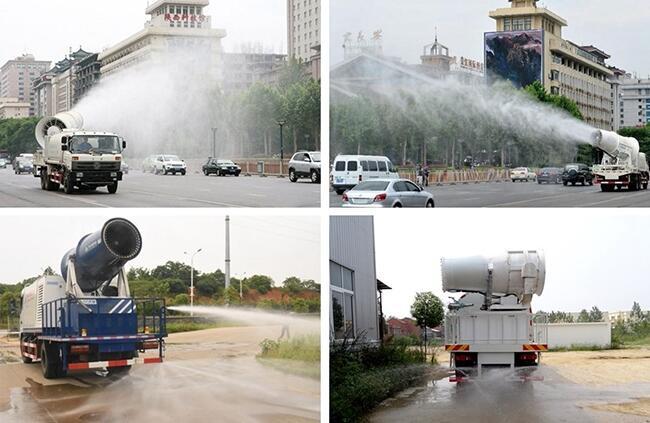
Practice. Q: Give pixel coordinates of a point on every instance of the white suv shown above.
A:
(164, 163)
(305, 164)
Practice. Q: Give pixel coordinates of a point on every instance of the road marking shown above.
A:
(622, 196)
(216, 203)
(530, 200)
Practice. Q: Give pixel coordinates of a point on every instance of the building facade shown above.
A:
(303, 28)
(577, 72)
(354, 305)
(242, 70)
(11, 108)
(632, 103)
(436, 61)
(176, 29)
(16, 78)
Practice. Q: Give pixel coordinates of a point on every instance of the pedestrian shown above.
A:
(285, 331)
(426, 175)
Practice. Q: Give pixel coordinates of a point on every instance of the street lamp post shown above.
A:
(192, 279)
(281, 123)
(241, 296)
(214, 143)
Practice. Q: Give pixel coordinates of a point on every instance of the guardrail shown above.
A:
(454, 177)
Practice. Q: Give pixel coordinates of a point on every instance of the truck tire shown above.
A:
(112, 188)
(68, 186)
(43, 180)
(645, 185)
(51, 186)
(50, 362)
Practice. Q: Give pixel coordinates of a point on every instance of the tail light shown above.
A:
(527, 356)
(150, 345)
(360, 178)
(462, 357)
(380, 197)
(345, 198)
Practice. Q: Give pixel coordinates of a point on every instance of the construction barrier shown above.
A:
(271, 167)
(454, 177)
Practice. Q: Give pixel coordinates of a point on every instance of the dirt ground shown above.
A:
(206, 373)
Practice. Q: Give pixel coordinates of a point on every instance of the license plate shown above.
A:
(339, 180)
(88, 302)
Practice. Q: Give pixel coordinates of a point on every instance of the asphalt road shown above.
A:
(148, 190)
(528, 194)
(493, 400)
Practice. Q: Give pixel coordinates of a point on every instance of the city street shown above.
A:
(148, 190)
(528, 194)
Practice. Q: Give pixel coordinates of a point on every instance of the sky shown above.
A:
(277, 246)
(47, 28)
(593, 258)
(619, 28)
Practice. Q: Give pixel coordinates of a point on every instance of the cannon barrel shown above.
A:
(99, 256)
(521, 273)
(615, 145)
(52, 125)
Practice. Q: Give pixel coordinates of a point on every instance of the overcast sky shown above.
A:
(47, 28)
(278, 246)
(593, 257)
(619, 28)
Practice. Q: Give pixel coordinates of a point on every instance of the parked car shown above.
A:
(165, 164)
(3, 164)
(348, 171)
(23, 165)
(577, 173)
(550, 175)
(394, 193)
(522, 174)
(221, 167)
(305, 164)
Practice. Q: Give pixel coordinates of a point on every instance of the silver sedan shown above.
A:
(395, 193)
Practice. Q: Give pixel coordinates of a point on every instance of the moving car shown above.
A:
(522, 174)
(348, 171)
(305, 164)
(394, 193)
(550, 175)
(577, 173)
(221, 168)
(23, 165)
(165, 164)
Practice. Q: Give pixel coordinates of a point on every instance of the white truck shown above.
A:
(75, 158)
(622, 165)
(492, 324)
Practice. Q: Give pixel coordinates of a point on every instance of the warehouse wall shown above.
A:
(568, 334)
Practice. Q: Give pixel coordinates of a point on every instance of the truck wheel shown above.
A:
(292, 176)
(51, 186)
(645, 185)
(43, 180)
(565, 183)
(112, 188)
(68, 187)
(50, 362)
(315, 178)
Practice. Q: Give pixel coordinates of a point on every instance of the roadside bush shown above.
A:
(302, 348)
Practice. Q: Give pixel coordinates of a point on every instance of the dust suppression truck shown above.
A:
(622, 164)
(85, 318)
(492, 324)
(75, 158)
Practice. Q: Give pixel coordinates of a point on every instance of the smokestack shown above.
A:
(227, 251)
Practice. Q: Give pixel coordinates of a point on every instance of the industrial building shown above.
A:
(176, 30)
(303, 29)
(355, 291)
(528, 46)
(16, 78)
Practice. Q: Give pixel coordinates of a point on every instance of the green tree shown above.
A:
(181, 299)
(584, 316)
(260, 283)
(595, 315)
(428, 311)
(293, 285)
(637, 314)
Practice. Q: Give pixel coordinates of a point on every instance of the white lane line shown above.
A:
(530, 200)
(169, 196)
(72, 197)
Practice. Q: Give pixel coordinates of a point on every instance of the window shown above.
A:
(399, 187)
(352, 166)
(364, 165)
(411, 186)
(339, 166)
(372, 166)
(382, 166)
(342, 313)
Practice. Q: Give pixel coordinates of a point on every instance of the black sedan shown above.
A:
(221, 168)
(550, 175)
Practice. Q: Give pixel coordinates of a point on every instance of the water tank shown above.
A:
(53, 125)
(99, 256)
(520, 273)
(626, 149)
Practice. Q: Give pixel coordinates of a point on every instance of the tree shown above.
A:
(595, 315)
(637, 314)
(427, 309)
(292, 285)
(260, 283)
(181, 299)
(584, 317)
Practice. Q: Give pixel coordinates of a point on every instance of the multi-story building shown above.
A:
(529, 42)
(241, 70)
(177, 30)
(14, 108)
(303, 28)
(87, 74)
(633, 102)
(43, 101)
(16, 78)
(437, 62)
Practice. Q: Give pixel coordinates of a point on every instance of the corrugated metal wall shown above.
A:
(352, 244)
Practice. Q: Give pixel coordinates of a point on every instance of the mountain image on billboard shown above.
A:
(516, 56)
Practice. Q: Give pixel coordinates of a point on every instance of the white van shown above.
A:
(348, 171)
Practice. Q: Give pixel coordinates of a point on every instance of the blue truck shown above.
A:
(86, 318)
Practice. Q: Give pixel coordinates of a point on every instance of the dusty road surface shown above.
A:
(209, 375)
(560, 397)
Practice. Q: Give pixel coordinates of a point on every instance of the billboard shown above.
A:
(517, 56)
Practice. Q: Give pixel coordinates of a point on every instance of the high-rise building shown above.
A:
(303, 29)
(632, 104)
(528, 46)
(16, 78)
(242, 70)
(176, 29)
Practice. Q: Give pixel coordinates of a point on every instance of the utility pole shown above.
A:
(192, 279)
(281, 123)
(227, 252)
(214, 143)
